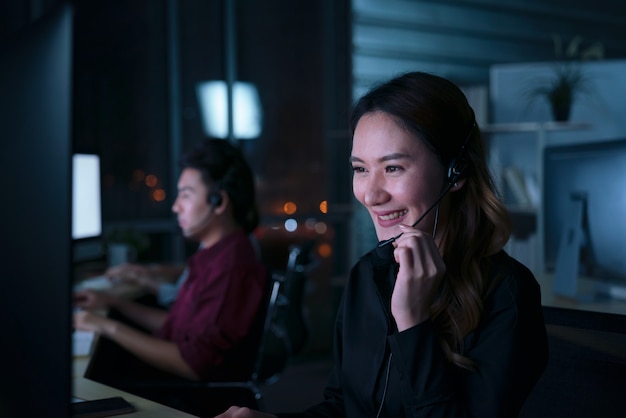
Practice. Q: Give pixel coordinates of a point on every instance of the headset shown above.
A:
(456, 169)
(215, 199)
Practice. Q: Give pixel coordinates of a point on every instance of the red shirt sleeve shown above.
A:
(217, 305)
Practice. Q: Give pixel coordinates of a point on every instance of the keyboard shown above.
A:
(96, 283)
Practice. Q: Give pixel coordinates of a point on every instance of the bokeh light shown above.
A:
(158, 195)
(151, 180)
(291, 225)
(324, 250)
(290, 208)
(310, 223)
(321, 228)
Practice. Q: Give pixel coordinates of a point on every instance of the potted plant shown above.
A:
(124, 245)
(561, 90)
(568, 80)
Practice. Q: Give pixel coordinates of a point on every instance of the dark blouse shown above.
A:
(409, 369)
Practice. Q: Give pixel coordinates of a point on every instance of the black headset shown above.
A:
(456, 170)
(458, 166)
(215, 198)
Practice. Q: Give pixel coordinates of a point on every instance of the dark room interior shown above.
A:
(132, 98)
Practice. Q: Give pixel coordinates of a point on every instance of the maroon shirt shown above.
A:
(215, 318)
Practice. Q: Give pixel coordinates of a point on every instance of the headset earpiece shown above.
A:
(456, 169)
(215, 199)
(458, 165)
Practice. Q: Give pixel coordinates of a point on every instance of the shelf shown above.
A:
(533, 127)
(529, 219)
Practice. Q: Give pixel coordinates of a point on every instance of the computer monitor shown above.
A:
(86, 207)
(35, 119)
(595, 173)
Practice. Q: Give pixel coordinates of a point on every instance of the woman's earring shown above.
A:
(456, 184)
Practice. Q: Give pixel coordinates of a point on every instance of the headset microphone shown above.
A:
(441, 195)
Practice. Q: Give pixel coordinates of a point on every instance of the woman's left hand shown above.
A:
(421, 270)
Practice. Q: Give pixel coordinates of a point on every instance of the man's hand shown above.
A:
(90, 299)
(134, 274)
(88, 321)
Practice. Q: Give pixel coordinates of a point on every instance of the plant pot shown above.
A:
(561, 111)
(120, 253)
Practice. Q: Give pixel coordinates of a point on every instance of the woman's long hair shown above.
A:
(436, 111)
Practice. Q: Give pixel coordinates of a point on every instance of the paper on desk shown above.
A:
(82, 342)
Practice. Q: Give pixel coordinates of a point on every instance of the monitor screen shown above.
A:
(597, 171)
(86, 204)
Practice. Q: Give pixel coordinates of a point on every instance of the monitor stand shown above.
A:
(574, 240)
(575, 258)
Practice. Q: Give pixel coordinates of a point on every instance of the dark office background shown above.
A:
(137, 63)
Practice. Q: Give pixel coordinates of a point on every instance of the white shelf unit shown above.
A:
(541, 130)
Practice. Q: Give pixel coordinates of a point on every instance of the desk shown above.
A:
(608, 305)
(86, 389)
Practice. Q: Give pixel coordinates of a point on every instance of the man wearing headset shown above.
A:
(212, 329)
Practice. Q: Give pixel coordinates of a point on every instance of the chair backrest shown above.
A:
(285, 331)
(586, 371)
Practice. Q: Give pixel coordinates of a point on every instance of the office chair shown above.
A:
(284, 334)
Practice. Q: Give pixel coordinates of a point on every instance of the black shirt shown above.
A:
(509, 348)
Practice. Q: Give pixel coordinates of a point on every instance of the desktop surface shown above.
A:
(598, 303)
(86, 389)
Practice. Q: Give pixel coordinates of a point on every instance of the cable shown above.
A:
(436, 221)
(382, 401)
(441, 195)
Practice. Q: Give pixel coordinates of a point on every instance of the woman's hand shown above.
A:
(421, 270)
(238, 412)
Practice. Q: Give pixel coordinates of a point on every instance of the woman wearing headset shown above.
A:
(437, 320)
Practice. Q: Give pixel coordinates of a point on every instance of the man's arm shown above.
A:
(148, 277)
(146, 316)
(161, 354)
